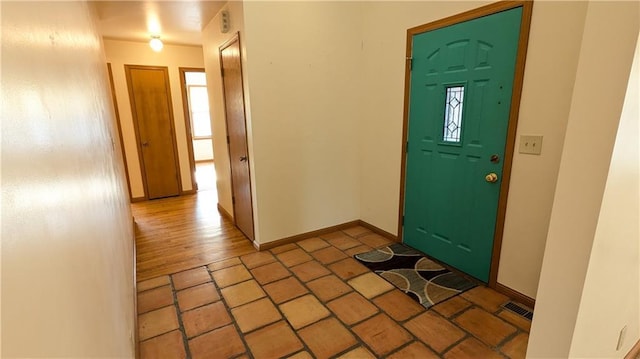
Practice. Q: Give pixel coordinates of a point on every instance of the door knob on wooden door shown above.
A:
(491, 177)
(243, 158)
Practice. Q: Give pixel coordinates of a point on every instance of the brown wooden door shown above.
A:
(150, 98)
(237, 135)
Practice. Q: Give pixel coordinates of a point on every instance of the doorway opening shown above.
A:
(198, 123)
(205, 176)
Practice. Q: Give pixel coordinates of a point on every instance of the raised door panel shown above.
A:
(151, 107)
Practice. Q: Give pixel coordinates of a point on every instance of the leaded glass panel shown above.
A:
(453, 114)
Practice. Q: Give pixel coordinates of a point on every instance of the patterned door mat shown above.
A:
(424, 280)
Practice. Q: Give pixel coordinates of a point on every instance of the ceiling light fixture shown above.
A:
(155, 43)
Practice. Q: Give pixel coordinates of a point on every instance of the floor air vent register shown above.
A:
(518, 309)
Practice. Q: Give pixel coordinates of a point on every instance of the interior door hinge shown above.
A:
(228, 140)
(403, 219)
(222, 71)
(410, 60)
(233, 200)
(407, 148)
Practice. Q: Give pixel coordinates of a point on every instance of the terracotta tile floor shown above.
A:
(311, 300)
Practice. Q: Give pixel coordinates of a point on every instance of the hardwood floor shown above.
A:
(179, 233)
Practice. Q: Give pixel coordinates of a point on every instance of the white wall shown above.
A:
(67, 235)
(120, 53)
(556, 28)
(613, 276)
(305, 85)
(302, 109)
(584, 232)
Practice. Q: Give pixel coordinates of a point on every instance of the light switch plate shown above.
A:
(531, 145)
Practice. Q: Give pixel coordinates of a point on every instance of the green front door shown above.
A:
(460, 98)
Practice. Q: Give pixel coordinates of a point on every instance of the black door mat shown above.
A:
(424, 280)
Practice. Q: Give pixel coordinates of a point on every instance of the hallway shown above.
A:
(203, 291)
(178, 233)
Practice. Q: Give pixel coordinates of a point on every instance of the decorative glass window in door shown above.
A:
(453, 114)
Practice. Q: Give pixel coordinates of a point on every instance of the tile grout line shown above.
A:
(218, 289)
(403, 346)
(247, 350)
(221, 299)
(277, 306)
(309, 292)
(173, 304)
(506, 340)
(160, 334)
(349, 327)
(358, 340)
(266, 296)
(380, 311)
(456, 343)
(468, 334)
(183, 331)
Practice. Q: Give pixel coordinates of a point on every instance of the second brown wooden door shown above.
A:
(237, 136)
(153, 120)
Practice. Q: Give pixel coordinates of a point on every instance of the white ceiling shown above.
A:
(177, 22)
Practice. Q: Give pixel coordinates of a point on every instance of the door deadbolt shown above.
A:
(491, 177)
(494, 159)
(243, 158)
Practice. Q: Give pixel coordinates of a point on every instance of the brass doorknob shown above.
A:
(491, 177)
